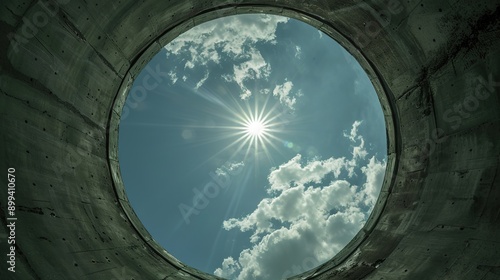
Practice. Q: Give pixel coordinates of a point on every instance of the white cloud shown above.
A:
(234, 37)
(202, 81)
(353, 135)
(173, 76)
(311, 216)
(229, 267)
(235, 166)
(283, 92)
(292, 173)
(229, 167)
(265, 91)
(227, 78)
(229, 34)
(298, 51)
(254, 68)
(374, 172)
(189, 65)
(246, 94)
(358, 152)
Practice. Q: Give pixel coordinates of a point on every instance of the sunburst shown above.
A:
(255, 128)
(251, 127)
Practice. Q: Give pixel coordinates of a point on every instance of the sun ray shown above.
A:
(252, 126)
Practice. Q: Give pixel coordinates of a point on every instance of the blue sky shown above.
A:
(228, 200)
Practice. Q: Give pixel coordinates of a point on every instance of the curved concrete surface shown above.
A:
(65, 70)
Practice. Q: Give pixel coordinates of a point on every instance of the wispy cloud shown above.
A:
(202, 81)
(229, 168)
(298, 51)
(283, 92)
(353, 134)
(311, 215)
(173, 76)
(358, 152)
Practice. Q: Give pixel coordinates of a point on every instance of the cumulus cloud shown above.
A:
(374, 172)
(312, 214)
(292, 173)
(229, 267)
(233, 37)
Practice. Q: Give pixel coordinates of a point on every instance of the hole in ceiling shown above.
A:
(253, 145)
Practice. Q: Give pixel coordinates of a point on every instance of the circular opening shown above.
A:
(253, 147)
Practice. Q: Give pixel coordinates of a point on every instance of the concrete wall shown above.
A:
(65, 70)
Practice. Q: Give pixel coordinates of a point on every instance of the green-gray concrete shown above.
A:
(66, 67)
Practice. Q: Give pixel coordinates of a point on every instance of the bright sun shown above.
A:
(255, 128)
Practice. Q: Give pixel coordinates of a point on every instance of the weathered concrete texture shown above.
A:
(65, 70)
